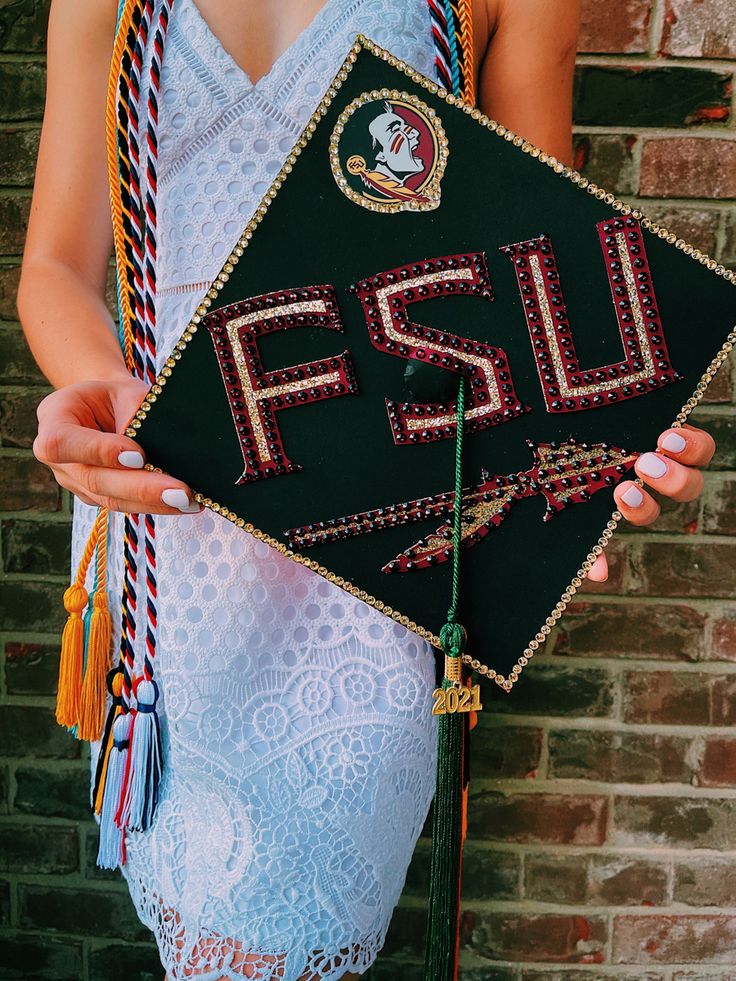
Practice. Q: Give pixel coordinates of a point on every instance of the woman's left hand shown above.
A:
(673, 470)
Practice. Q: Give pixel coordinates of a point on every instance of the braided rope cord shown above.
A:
(464, 20)
(452, 44)
(457, 510)
(441, 45)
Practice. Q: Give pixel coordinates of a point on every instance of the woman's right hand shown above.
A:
(79, 439)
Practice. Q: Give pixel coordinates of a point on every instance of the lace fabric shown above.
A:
(300, 750)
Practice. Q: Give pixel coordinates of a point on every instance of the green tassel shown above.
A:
(440, 951)
(440, 957)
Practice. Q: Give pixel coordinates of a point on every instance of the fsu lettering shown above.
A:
(385, 299)
(256, 395)
(645, 365)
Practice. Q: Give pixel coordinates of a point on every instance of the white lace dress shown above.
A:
(300, 749)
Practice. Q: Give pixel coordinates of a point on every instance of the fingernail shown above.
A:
(674, 443)
(131, 458)
(633, 497)
(177, 498)
(651, 465)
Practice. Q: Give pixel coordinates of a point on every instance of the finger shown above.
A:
(688, 445)
(66, 442)
(635, 504)
(669, 477)
(598, 572)
(139, 491)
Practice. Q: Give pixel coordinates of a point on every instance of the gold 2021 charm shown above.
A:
(456, 699)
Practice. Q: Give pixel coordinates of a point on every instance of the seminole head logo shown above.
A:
(388, 152)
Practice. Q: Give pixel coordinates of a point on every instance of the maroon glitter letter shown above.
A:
(385, 297)
(256, 395)
(646, 365)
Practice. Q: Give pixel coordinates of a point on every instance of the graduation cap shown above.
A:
(434, 349)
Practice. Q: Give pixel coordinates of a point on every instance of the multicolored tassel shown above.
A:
(111, 851)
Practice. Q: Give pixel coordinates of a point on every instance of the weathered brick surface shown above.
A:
(552, 818)
(628, 630)
(32, 547)
(607, 158)
(704, 881)
(664, 939)
(552, 937)
(609, 29)
(31, 668)
(699, 28)
(602, 817)
(630, 757)
(27, 485)
(29, 848)
(685, 167)
(677, 822)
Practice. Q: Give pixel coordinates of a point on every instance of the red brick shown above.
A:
(601, 880)
(607, 159)
(26, 484)
(623, 880)
(709, 881)
(18, 423)
(679, 698)
(674, 939)
(700, 976)
(9, 276)
(18, 151)
(505, 752)
(664, 697)
(686, 167)
(721, 424)
(719, 508)
(556, 819)
(718, 764)
(513, 936)
(699, 29)
(532, 974)
(623, 630)
(608, 28)
(682, 569)
(675, 822)
(728, 255)
(14, 211)
(698, 226)
(723, 646)
(618, 757)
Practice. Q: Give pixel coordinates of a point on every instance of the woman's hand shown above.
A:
(672, 470)
(79, 438)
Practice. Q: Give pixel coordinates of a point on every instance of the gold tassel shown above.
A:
(71, 663)
(72, 655)
(94, 686)
(94, 689)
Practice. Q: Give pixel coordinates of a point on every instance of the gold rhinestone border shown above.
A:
(365, 44)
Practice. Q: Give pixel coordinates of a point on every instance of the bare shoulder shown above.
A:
(557, 21)
(88, 25)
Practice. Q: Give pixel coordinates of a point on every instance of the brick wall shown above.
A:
(602, 838)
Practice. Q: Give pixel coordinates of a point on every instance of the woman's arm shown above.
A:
(526, 72)
(61, 295)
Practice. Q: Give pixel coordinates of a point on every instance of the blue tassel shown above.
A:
(145, 759)
(111, 854)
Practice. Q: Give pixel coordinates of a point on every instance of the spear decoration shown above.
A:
(563, 474)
